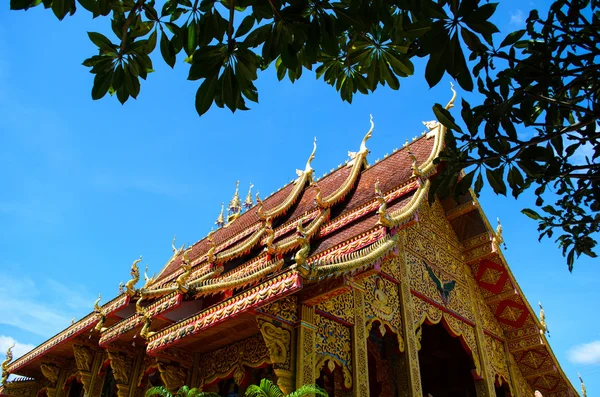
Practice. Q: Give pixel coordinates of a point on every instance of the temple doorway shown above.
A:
(228, 387)
(333, 381)
(445, 365)
(387, 373)
(75, 389)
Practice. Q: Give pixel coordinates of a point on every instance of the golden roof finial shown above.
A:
(183, 278)
(235, 205)
(210, 255)
(147, 280)
(450, 104)
(248, 203)
(583, 389)
(221, 219)
(97, 307)
(73, 321)
(544, 329)
(308, 169)
(135, 274)
(362, 151)
(415, 167)
(9, 357)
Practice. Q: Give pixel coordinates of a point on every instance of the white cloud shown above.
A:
(587, 353)
(517, 18)
(40, 309)
(18, 350)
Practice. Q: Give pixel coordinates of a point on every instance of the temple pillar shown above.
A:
(122, 365)
(55, 376)
(278, 337)
(406, 305)
(484, 385)
(97, 380)
(306, 347)
(172, 374)
(84, 360)
(360, 358)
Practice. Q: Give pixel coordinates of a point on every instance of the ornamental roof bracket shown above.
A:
(362, 151)
(406, 213)
(135, 274)
(415, 167)
(182, 280)
(9, 357)
(101, 314)
(270, 247)
(210, 255)
(382, 210)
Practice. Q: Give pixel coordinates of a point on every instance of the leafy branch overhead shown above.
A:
(537, 125)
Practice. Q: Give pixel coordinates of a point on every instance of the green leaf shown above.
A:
(151, 45)
(167, 51)
(435, 69)
(512, 38)
(478, 184)
(118, 78)
(401, 65)
(465, 183)
(60, 8)
(101, 84)
(245, 26)
(90, 5)
(101, 41)
(444, 117)
(496, 180)
(531, 213)
(191, 37)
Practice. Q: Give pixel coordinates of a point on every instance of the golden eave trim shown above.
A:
(225, 283)
(341, 192)
(240, 249)
(291, 242)
(290, 199)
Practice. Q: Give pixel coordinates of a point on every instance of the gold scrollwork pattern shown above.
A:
(285, 309)
(173, 375)
(383, 306)
(497, 358)
(361, 364)
(340, 306)
(522, 387)
(221, 363)
(333, 347)
(278, 341)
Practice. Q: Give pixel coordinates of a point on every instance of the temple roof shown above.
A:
(309, 230)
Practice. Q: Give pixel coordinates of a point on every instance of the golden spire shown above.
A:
(221, 219)
(235, 205)
(249, 203)
(544, 329)
(583, 389)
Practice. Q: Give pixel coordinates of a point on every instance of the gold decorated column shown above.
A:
(411, 343)
(121, 364)
(359, 347)
(485, 386)
(278, 337)
(306, 347)
(55, 377)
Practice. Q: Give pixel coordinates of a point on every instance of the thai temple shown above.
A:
(354, 281)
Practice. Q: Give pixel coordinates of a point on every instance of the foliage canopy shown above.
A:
(537, 125)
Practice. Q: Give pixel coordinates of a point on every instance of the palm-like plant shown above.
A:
(269, 389)
(184, 391)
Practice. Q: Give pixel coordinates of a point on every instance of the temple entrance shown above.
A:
(333, 382)
(75, 389)
(109, 388)
(229, 388)
(445, 365)
(502, 390)
(387, 372)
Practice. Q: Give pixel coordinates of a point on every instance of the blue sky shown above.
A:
(86, 187)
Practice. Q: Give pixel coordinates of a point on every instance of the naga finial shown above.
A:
(97, 307)
(363, 150)
(318, 196)
(135, 274)
(269, 242)
(259, 204)
(499, 237)
(450, 104)
(302, 254)
(101, 313)
(73, 321)
(308, 169)
(544, 329)
(221, 219)
(414, 166)
(147, 280)
(210, 255)
(9, 357)
(382, 211)
(583, 389)
(187, 272)
(248, 202)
